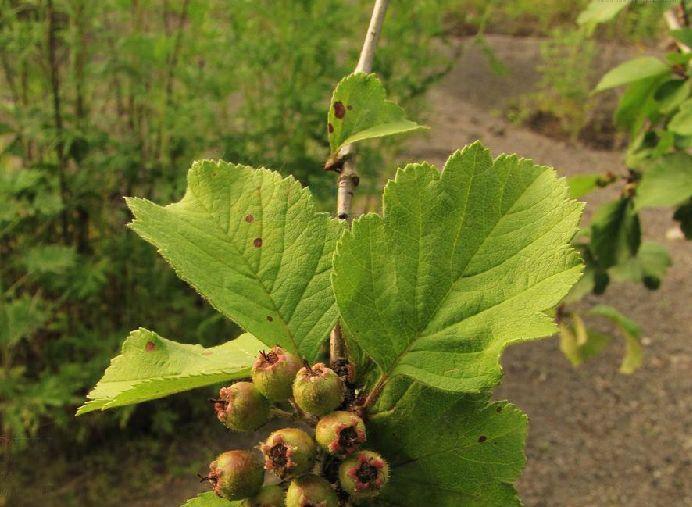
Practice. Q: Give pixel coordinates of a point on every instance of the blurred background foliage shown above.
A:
(100, 100)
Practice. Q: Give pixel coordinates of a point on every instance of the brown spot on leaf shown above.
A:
(339, 109)
(249, 218)
(270, 318)
(150, 346)
(482, 438)
(349, 107)
(330, 128)
(499, 409)
(257, 242)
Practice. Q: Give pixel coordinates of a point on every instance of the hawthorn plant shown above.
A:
(420, 301)
(655, 111)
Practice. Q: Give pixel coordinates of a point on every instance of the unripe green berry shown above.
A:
(241, 407)
(363, 475)
(273, 373)
(289, 452)
(340, 433)
(311, 491)
(269, 496)
(236, 474)
(318, 390)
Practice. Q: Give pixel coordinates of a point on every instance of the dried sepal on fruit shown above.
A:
(241, 407)
(235, 475)
(273, 373)
(363, 475)
(311, 490)
(340, 433)
(318, 389)
(272, 495)
(289, 452)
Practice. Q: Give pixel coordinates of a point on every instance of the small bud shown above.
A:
(236, 475)
(241, 407)
(269, 496)
(289, 452)
(311, 491)
(273, 373)
(318, 390)
(363, 475)
(340, 433)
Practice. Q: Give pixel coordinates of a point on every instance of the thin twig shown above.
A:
(673, 24)
(375, 392)
(348, 178)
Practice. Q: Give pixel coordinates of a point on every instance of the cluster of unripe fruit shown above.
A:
(325, 471)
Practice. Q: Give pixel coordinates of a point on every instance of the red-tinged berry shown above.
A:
(273, 373)
(340, 433)
(311, 491)
(236, 475)
(289, 452)
(363, 475)
(318, 390)
(269, 496)
(241, 407)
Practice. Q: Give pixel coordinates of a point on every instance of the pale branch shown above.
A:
(674, 24)
(348, 177)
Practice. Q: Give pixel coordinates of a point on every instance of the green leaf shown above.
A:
(683, 215)
(471, 458)
(671, 94)
(649, 266)
(631, 71)
(615, 233)
(681, 123)
(594, 345)
(151, 367)
(209, 499)
(45, 259)
(581, 184)
(577, 352)
(463, 263)
(599, 11)
(637, 104)
(19, 318)
(359, 110)
(667, 181)
(630, 332)
(683, 35)
(254, 246)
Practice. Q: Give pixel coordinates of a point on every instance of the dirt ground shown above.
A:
(596, 437)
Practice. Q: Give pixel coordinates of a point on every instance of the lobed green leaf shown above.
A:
(252, 243)
(461, 264)
(151, 367)
(471, 458)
